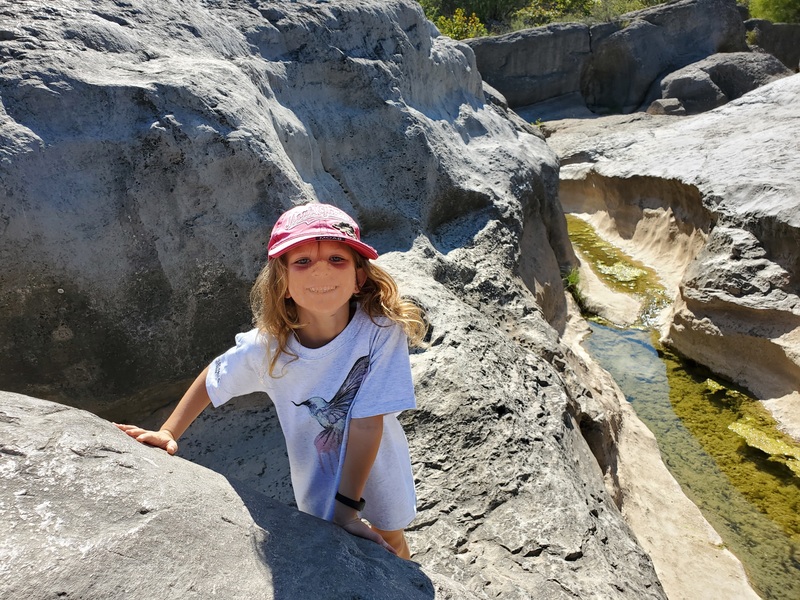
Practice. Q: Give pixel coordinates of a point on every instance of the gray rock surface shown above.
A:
(718, 79)
(623, 66)
(720, 191)
(782, 40)
(147, 148)
(612, 65)
(147, 151)
(537, 64)
(88, 513)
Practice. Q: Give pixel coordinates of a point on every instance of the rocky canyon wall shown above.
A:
(738, 300)
(147, 148)
(607, 67)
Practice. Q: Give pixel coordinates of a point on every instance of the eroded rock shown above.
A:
(144, 162)
(611, 66)
(88, 513)
(716, 80)
(147, 150)
(738, 303)
(782, 40)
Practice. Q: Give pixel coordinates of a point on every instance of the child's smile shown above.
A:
(321, 281)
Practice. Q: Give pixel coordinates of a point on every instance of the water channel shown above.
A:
(719, 443)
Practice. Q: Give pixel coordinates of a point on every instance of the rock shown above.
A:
(144, 163)
(782, 40)
(87, 512)
(536, 64)
(723, 186)
(666, 106)
(718, 79)
(147, 149)
(623, 66)
(611, 65)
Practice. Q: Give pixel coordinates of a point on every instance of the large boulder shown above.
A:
(658, 40)
(88, 513)
(718, 79)
(534, 65)
(148, 149)
(610, 66)
(782, 40)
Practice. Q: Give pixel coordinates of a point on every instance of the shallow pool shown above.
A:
(750, 496)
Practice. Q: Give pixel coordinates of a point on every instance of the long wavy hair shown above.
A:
(276, 315)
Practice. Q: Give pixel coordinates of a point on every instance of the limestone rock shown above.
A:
(727, 180)
(536, 64)
(623, 66)
(718, 79)
(611, 65)
(666, 106)
(782, 40)
(148, 149)
(87, 512)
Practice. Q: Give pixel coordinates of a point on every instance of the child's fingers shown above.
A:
(171, 447)
(131, 430)
(358, 528)
(152, 438)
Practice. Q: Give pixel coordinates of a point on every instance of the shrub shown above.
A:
(542, 12)
(460, 27)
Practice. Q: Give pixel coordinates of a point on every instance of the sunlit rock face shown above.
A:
(607, 67)
(147, 149)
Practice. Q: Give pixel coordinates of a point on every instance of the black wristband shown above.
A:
(359, 506)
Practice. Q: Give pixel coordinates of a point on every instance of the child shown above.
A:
(330, 348)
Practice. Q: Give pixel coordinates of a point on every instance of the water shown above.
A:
(750, 497)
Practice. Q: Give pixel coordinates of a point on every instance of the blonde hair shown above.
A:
(276, 315)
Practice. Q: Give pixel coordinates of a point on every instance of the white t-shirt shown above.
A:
(363, 372)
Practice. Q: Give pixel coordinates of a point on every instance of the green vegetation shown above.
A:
(500, 16)
(617, 270)
(572, 281)
(460, 27)
(743, 438)
(777, 11)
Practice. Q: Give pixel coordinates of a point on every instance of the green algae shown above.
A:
(742, 437)
(617, 270)
(777, 450)
(749, 499)
(718, 441)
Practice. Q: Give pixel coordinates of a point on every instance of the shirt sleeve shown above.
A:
(239, 371)
(388, 386)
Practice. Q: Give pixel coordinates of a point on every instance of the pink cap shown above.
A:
(316, 223)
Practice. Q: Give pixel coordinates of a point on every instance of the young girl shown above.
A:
(330, 348)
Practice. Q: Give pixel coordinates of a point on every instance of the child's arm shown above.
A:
(189, 408)
(363, 441)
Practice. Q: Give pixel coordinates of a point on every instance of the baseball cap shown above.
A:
(316, 222)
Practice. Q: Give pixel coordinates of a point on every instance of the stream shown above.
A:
(718, 442)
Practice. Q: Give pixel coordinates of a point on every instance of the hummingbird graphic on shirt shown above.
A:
(332, 415)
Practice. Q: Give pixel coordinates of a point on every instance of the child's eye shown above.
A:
(302, 261)
(337, 259)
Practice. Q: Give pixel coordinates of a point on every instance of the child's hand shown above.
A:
(348, 519)
(160, 439)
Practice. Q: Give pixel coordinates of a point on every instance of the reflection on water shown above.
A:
(749, 497)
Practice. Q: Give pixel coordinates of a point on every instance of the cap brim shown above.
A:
(363, 249)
